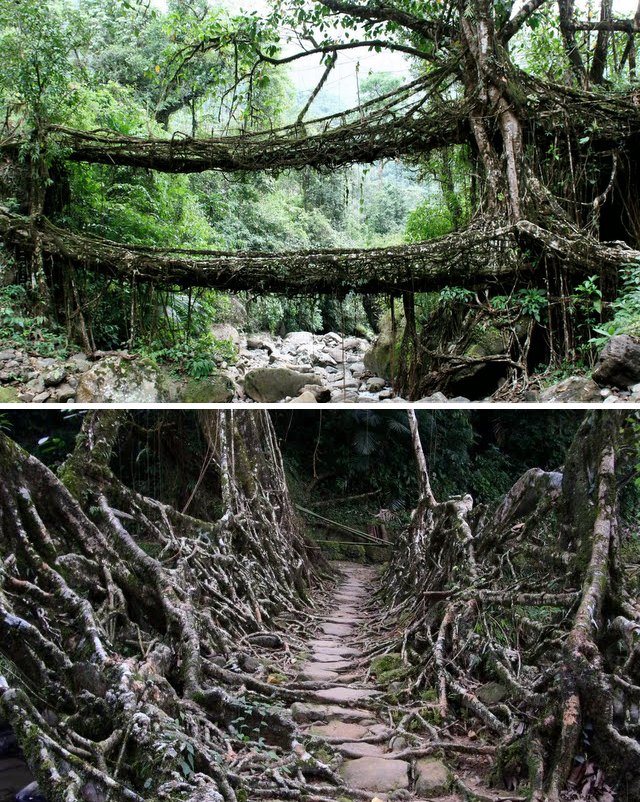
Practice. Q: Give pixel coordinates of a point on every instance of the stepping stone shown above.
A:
(322, 657)
(334, 665)
(335, 651)
(376, 774)
(345, 694)
(315, 672)
(361, 749)
(305, 713)
(325, 644)
(381, 729)
(336, 629)
(344, 619)
(338, 729)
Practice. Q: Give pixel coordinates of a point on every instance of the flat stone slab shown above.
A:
(323, 657)
(356, 749)
(315, 672)
(347, 618)
(376, 774)
(336, 629)
(334, 665)
(345, 694)
(338, 729)
(305, 712)
(319, 647)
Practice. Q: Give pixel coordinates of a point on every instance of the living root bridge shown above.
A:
(473, 257)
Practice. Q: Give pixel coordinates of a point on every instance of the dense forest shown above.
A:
(162, 170)
(171, 627)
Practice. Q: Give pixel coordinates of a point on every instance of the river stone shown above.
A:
(361, 749)
(574, 390)
(432, 777)
(304, 398)
(375, 384)
(345, 694)
(64, 392)
(436, 398)
(619, 362)
(114, 380)
(376, 774)
(338, 729)
(268, 385)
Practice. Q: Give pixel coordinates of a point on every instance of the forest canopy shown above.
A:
(508, 153)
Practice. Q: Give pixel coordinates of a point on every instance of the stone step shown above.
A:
(375, 774)
(307, 712)
(345, 694)
(315, 672)
(336, 629)
(322, 657)
(356, 749)
(338, 729)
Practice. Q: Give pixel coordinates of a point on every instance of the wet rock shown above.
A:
(432, 777)
(619, 362)
(376, 774)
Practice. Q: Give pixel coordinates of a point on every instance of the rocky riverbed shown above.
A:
(298, 368)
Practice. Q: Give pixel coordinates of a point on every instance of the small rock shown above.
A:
(611, 399)
(606, 392)
(64, 393)
(27, 398)
(491, 693)
(459, 399)
(361, 749)
(35, 386)
(53, 378)
(42, 397)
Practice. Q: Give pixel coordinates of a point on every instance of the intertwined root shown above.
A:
(113, 656)
(524, 619)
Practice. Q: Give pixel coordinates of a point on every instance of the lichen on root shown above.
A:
(113, 657)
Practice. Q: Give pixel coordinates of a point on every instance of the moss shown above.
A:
(386, 663)
(9, 395)
(429, 695)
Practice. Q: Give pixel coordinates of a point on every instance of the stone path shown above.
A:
(340, 715)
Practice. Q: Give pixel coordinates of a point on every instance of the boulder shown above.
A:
(225, 331)
(65, 392)
(321, 394)
(212, 390)
(268, 385)
(9, 395)
(432, 777)
(259, 342)
(298, 340)
(377, 358)
(619, 362)
(436, 398)
(114, 380)
(574, 390)
(375, 384)
(492, 693)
